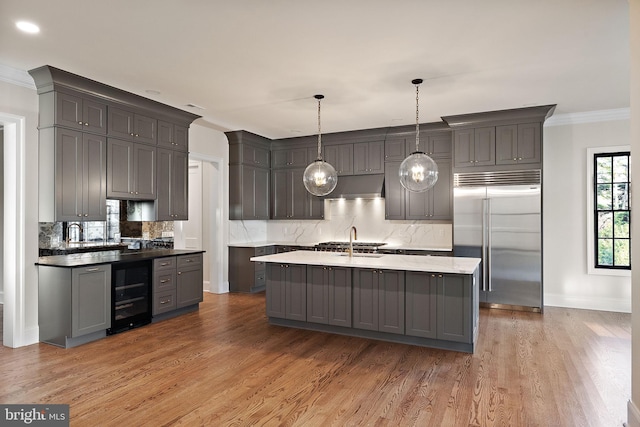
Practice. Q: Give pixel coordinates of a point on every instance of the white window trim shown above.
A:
(590, 206)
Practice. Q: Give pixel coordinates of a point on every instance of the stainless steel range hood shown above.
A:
(358, 186)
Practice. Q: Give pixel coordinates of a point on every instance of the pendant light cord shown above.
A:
(319, 133)
(417, 117)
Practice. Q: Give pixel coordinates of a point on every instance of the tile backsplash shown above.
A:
(367, 215)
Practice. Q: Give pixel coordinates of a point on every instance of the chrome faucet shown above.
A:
(69, 228)
(353, 235)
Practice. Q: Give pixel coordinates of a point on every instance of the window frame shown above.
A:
(592, 268)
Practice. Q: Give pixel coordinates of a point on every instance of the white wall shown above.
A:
(634, 403)
(566, 282)
(1, 212)
(20, 101)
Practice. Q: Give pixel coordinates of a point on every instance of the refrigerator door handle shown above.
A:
(484, 244)
(489, 243)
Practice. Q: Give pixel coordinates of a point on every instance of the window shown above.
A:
(612, 210)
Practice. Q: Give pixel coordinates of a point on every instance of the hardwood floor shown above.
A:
(224, 365)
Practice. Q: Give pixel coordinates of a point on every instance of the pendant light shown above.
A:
(418, 172)
(320, 178)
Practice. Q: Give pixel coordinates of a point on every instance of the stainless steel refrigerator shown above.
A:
(497, 217)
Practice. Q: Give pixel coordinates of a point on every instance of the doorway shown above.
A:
(204, 230)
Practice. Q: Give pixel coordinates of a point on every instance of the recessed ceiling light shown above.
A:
(28, 27)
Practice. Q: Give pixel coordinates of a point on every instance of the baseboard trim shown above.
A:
(587, 303)
(633, 415)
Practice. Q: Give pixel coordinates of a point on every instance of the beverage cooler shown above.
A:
(130, 295)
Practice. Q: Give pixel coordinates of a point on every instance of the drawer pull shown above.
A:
(164, 263)
(165, 281)
(93, 269)
(165, 302)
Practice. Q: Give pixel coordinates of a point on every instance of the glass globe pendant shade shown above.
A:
(320, 178)
(418, 172)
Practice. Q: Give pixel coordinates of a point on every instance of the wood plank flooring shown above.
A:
(225, 366)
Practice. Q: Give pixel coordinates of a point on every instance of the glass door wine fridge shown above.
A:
(130, 295)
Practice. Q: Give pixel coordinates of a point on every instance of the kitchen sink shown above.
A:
(362, 255)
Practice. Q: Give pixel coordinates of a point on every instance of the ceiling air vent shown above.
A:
(190, 105)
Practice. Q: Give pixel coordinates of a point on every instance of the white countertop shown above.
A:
(435, 264)
(389, 246)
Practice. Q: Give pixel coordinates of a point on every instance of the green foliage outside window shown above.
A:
(612, 210)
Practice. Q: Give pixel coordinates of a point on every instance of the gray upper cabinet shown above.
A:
(80, 113)
(172, 202)
(340, 157)
(395, 194)
(368, 157)
(74, 189)
(249, 176)
(172, 136)
(132, 126)
(131, 170)
(517, 144)
(292, 158)
(475, 147)
(435, 203)
(394, 149)
(290, 199)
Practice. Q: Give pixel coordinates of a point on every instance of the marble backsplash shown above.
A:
(367, 215)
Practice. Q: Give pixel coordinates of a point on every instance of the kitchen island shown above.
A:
(419, 300)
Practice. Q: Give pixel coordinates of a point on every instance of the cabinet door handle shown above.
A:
(179, 273)
(92, 269)
(80, 122)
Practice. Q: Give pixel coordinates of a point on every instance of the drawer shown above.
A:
(189, 260)
(164, 281)
(265, 250)
(261, 279)
(259, 266)
(168, 263)
(163, 302)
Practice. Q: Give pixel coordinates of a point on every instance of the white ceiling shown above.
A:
(256, 64)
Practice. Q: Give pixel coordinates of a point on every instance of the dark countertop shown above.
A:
(110, 257)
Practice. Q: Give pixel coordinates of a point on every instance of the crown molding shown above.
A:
(15, 76)
(588, 117)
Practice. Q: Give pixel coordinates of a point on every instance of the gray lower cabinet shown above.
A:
(329, 295)
(244, 274)
(164, 285)
(441, 306)
(378, 300)
(286, 293)
(74, 304)
(188, 280)
(421, 304)
(172, 202)
(131, 170)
